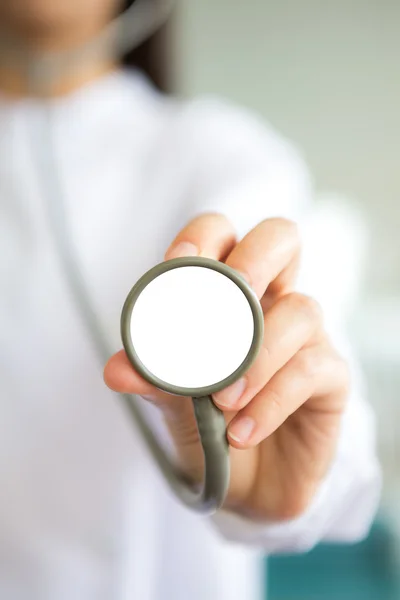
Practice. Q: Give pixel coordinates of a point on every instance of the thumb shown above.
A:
(120, 376)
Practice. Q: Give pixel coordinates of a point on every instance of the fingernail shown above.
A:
(242, 429)
(231, 395)
(182, 249)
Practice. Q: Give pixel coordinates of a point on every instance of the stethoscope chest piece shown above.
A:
(191, 327)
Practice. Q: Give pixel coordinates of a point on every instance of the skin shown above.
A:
(45, 27)
(284, 417)
(53, 24)
(283, 424)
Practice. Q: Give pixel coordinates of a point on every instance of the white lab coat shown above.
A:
(84, 514)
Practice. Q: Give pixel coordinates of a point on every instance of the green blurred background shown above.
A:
(365, 571)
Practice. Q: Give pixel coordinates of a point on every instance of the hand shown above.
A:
(284, 415)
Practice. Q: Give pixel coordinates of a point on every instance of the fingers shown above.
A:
(269, 253)
(209, 235)
(289, 325)
(315, 371)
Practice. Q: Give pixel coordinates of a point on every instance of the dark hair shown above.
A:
(153, 57)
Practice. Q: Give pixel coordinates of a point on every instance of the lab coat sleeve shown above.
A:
(248, 172)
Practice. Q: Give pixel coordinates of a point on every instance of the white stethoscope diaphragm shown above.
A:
(191, 326)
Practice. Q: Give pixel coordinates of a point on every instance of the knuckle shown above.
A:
(274, 400)
(215, 221)
(308, 362)
(343, 376)
(287, 224)
(290, 228)
(306, 305)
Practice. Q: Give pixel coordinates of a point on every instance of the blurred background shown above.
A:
(327, 76)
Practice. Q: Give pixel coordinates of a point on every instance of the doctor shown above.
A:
(84, 514)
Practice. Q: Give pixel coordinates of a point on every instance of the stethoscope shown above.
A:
(189, 326)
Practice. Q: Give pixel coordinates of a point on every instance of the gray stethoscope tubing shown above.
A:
(133, 27)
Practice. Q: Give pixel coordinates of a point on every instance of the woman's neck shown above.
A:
(49, 68)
